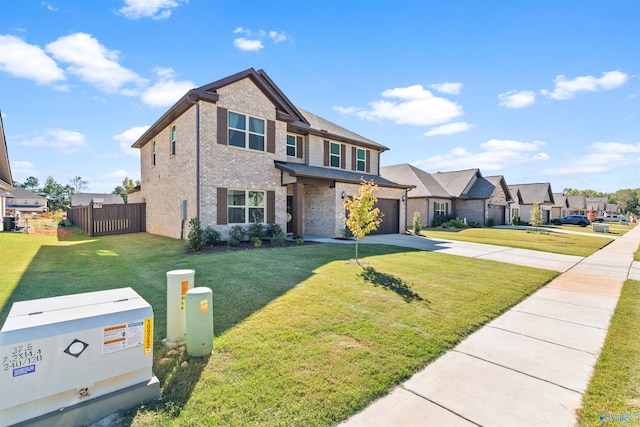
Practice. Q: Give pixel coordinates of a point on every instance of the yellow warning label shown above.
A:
(148, 335)
(185, 286)
(204, 306)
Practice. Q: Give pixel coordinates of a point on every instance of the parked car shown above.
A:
(612, 218)
(580, 220)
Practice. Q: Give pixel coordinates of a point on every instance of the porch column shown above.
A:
(298, 191)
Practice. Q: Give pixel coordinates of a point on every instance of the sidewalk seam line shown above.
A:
(570, 303)
(562, 320)
(520, 372)
(540, 339)
(441, 406)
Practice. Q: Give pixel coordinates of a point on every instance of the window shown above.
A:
(291, 145)
(11, 201)
(26, 202)
(245, 206)
(246, 131)
(441, 208)
(173, 140)
(154, 154)
(37, 202)
(361, 160)
(334, 155)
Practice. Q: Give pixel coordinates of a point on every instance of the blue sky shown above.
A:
(535, 91)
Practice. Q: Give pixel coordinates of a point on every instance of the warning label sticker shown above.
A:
(124, 336)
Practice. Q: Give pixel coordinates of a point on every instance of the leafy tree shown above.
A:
(363, 217)
(536, 216)
(627, 200)
(127, 184)
(58, 196)
(30, 184)
(79, 184)
(587, 193)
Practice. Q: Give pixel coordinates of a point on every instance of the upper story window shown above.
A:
(334, 155)
(246, 131)
(245, 206)
(291, 145)
(37, 202)
(173, 140)
(11, 201)
(361, 160)
(26, 202)
(153, 161)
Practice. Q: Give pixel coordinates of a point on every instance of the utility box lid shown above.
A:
(57, 352)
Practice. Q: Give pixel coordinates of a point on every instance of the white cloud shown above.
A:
(566, 89)
(496, 155)
(21, 59)
(49, 6)
(128, 137)
(92, 62)
(601, 157)
(155, 9)
(515, 99)
(411, 105)
(248, 45)
(450, 88)
(61, 139)
(346, 110)
(449, 129)
(166, 91)
(22, 170)
(277, 36)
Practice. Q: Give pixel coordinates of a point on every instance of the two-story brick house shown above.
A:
(237, 151)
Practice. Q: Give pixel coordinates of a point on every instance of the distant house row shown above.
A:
(237, 151)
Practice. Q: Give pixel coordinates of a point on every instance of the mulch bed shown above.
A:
(245, 246)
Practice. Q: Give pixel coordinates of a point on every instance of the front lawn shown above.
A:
(302, 336)
(546, 241)
(613, 396)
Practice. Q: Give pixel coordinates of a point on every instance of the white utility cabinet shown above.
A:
(61, 351)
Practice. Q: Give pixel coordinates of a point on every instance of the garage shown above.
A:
(390, 224)
(497, 214)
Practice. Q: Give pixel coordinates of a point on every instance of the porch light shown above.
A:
(344, 194)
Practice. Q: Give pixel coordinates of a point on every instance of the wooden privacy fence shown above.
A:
(109, 219)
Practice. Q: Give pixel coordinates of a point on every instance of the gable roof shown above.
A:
(560, 200)
(85, 199)
(534, 193)
(597, 203)
(23, 193)
(425, 184)
(285, 110)
(6, 181)
(465, 184)
(578, 201)
(499, 181)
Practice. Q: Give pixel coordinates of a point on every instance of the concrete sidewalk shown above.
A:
(528, 367)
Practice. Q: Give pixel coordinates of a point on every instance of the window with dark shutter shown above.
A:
(271, 136)
(222, 206)
(343, 157)
(326, 152)
(299, 143)
(271, 207)
(222, 126)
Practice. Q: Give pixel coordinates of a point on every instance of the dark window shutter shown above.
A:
(222, 127)
(271, 136)
(299, 143)
(354, 158)
(222, 206)
(271, 207)
(326, 152)
(368, 165)
(343, 156)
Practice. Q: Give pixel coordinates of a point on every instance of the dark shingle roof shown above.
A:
(297, 169)
(425, 184)
(84, 199)
(539, 192)
(23, 193)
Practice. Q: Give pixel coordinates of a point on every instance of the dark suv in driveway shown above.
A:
(580, 220)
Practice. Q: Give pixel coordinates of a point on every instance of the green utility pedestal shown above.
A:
(199, 311)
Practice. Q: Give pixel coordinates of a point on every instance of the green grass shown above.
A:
(615, 386)
(302, 335)
(560, 243)
(615, 229)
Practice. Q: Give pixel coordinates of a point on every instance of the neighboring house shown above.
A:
(514, 213)
(24, 201)
(500, 201)
(86, 199)
(6, 180)
(534, 193)
(577, 205)
(459, 194)
(237, 151)
(601, 206)
(560, 207)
